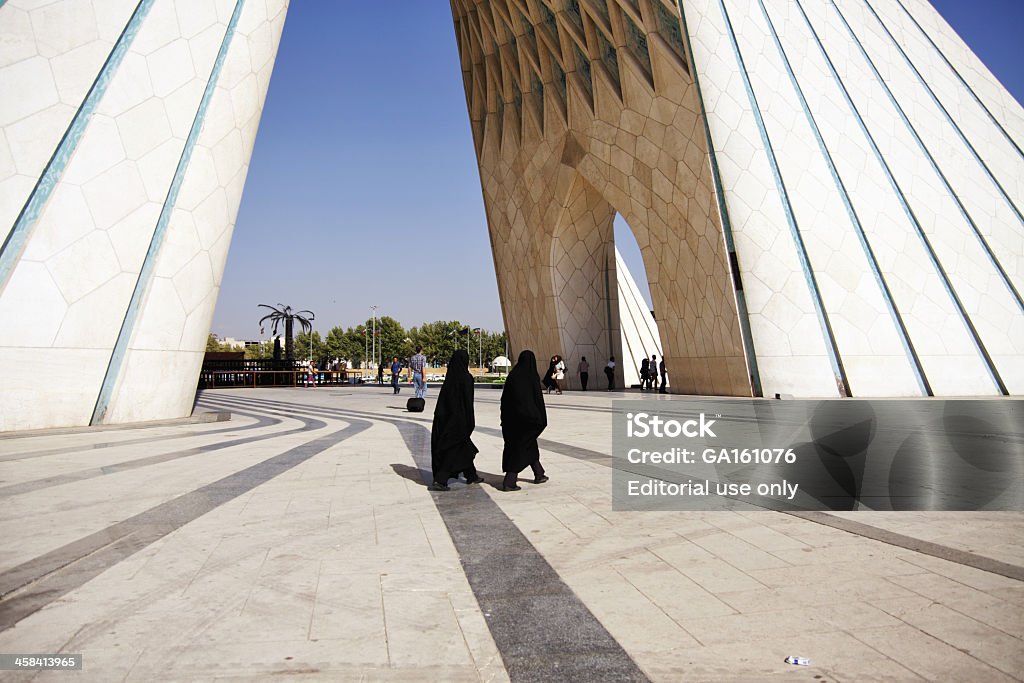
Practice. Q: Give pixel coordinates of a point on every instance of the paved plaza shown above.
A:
(298, 540)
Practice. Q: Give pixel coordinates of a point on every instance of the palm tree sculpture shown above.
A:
(285, 313)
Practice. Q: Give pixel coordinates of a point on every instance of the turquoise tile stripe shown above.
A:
(831, 346)
(17, 239)
(949, 118)
(883, 286)
(911, 216)
(723, 212)
(960, 78)
(934, 164)
(149, 264)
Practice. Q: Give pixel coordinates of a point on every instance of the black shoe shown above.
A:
(474, 480)
(513, 487)
(541, 479)
(437, 486)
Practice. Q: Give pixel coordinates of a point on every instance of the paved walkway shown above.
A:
(299, 539)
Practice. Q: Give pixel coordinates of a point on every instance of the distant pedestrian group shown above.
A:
(650, 371)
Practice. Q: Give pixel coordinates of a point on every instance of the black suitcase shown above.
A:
(415, 405)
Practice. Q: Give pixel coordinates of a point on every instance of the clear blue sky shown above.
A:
(363, 187)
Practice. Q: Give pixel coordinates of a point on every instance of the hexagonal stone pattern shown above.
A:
(604, 121)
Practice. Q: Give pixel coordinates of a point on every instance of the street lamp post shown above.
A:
(373, 310)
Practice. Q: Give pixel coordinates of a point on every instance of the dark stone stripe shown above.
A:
(32, 585)
(194, 418)
(261, 421)
(124, 466)
(955, 555)
(542, 629)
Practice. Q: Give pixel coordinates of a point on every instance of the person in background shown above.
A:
(549, 377)
(559, 373)
(645, 369)
(380, 374)
(523, 418)
(417, 365)
(451, 447)
(664, 377)
(584, 369)
(396, 370)
(653, 374)
(609, 372)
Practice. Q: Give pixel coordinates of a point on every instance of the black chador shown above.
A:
(523, 418)
(451, 448)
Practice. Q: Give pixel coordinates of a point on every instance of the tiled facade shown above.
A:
(123, 153)
(827, 193)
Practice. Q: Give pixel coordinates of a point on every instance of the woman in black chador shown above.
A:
(523, 418)
(549, 376)
(451, 449)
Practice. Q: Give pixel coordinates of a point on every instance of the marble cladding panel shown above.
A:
(82, 260)
(639, 332)
(850, 294)
(97, 226)
(173, 324)
(992, 211)
(156, 387)
(934, 326)
(32, 372)
(987, 301)
(50, 55)
(1005, 108)
(781, 312)
(980, 163)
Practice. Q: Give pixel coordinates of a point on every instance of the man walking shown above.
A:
(664, 377)
(652, 375)
(418, 365)
(584, 370)
(396, 370)
(609, 372)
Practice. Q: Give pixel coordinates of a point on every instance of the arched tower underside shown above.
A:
(827, 194)
(571, 128)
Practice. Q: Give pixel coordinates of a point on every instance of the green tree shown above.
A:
(319, 348)
(265, 349)
(285, 314)
(346, 344)
(439, 339)
(391, 339)
(213, 343)
(493, 345)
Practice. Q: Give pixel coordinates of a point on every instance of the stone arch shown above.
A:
(584, 279)
(591, 136)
